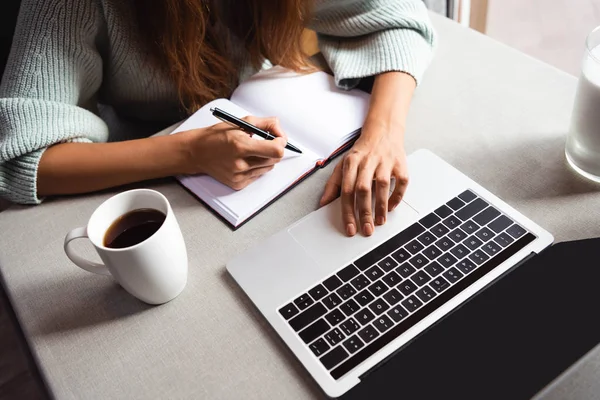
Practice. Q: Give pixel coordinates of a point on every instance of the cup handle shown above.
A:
(81, 262)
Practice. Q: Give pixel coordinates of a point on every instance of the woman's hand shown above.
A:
(376, 157)
(232, 156)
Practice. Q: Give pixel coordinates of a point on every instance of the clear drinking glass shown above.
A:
(583, 141)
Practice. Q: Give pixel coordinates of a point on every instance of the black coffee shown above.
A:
(133, 228)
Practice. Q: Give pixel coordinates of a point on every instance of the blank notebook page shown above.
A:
(309, 106)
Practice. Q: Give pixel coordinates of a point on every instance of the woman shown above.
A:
(88, 81)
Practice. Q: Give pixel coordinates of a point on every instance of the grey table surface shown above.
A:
(496, 114)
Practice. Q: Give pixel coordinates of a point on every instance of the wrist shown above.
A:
(179, 153)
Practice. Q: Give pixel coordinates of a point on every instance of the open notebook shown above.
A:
(317, 117)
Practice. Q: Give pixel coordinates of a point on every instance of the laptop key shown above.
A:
(378, 306)
(392, 296)
(470, 227)
(500, 223)
(401, 255)
(516, 231)
(455, 203)
(467, 196)
(348, 273)
(364, 297)
(430, 220)
(368, 333)
(332, 300)
(452, 222)
(319, 347)
(307, 316)
(397, 313)
(457, 235)
(420, 278)
(452, 275)
(360, 282)
(353, 344)
(472, 242)
(459, 251)
(491, 248)
(392, 279)
(334, 336)
(335, 317)
(471, 209)
(447, 260)
(412, 303)
(383, 323)
(427, 238)
(332, 283)
(414, 247)
(425, 294)
(389, 246)
(334, 357)
(364, 316)
(349, 326)
(440, 230)
(346, 291)
(407, 287)
(479, 257)
(303, 301)
(434, 269)
(288, 311)
(484, 234)
(443, 211)
(444, 243)
(314, 331)
(374, 273)
(504, 239)
(387, 264)
(405, 270)
(486, 216)
(465, 266)
(439, 284)
(419, 261)
(349, 307)
(432, 252)
(378, 288)
(318, 292)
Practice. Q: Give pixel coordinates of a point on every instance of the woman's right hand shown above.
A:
(232, 156)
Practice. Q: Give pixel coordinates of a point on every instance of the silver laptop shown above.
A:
(344, 305)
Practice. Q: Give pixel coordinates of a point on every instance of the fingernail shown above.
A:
(368, 229)
(380, 220)
(350, 229)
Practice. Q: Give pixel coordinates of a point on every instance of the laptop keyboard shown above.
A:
(359, 309)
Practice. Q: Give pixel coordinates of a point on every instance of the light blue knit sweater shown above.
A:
(76, 73)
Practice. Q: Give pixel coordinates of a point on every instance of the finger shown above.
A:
(270, 124)
(264, 148)
(401, 177)
(333, 186)
(258, 162)
(382, 191)
(243, 179)
(364, 184)
(349, 171)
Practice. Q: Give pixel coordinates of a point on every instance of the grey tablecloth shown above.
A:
(499, 116)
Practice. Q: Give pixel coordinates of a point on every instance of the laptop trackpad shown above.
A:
(322, 234)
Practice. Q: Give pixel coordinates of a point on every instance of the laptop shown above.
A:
(345, 306)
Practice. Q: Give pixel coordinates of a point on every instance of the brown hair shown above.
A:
(183, 39)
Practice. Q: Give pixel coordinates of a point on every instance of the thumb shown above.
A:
(270, 124)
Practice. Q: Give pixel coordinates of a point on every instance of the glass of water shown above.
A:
(583, 141)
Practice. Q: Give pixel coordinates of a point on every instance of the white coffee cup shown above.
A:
(154, 270)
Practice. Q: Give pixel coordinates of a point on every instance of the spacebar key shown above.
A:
(389, 246)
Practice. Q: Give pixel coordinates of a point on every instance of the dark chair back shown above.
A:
(9, 10)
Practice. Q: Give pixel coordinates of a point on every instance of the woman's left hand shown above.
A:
(376, 157)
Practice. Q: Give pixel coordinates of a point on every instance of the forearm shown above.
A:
(390, 101)
(70, 168)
